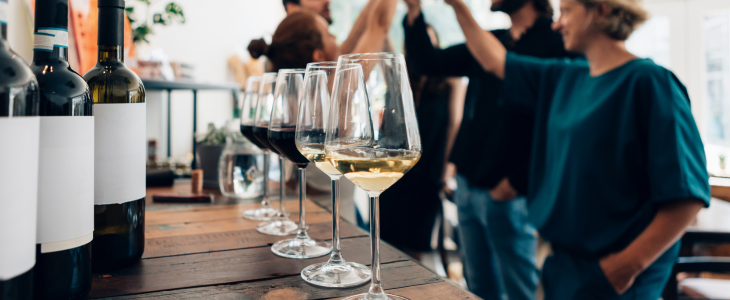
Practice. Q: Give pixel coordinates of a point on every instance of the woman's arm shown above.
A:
(667, 227)
(484, 46)
(456, 112)
(378, 24)
(358, 28)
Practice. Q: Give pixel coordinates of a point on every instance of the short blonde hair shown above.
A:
(623, 18)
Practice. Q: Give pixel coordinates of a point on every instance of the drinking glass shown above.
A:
(372, 135)
(248, 112)
(310, 137)
(282, 129)
(279, 225)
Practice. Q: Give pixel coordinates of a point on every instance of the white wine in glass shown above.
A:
(310, 139)
(372, 136)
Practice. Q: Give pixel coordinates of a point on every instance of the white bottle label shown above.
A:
(18, 194)
(48, 37)
(65, 182)
(4, 8)
(119, 152)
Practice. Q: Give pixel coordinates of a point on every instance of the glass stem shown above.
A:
(265, 202)
(302, 233)
(375, 291)
(336, 256)
(282, 195)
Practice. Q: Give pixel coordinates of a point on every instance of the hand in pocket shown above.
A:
(618, 272)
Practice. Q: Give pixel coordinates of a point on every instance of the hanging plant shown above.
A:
(142, 29)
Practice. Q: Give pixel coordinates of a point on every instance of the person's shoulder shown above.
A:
(646, 70)
(646, 67)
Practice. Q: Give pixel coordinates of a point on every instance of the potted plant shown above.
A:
(722, 162)
(208, 148)
(142, 28)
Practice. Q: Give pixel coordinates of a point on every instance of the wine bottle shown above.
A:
(120, 147)
(19, 133)
(66, 162)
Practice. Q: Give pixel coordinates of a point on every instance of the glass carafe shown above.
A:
(240, 168)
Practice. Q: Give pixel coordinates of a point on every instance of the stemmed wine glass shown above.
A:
(310, 138)
(372, 135)
(248, 112)
(282, 129)
(279, 225)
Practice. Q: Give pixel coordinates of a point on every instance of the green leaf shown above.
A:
(158, 19)
(141, 32)
(175, 12)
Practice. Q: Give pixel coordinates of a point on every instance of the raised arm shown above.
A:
(426, 59)
(456, 113)
(358, 28)
(378, 24)
(484, 46)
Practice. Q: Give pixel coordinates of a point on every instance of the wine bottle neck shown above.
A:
(110, 53)
(50, 43)
(56, 53)
(3, 30)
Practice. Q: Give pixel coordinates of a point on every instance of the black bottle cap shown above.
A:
(111, 3)
(51, 13)
(111, 23)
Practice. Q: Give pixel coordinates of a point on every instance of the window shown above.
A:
(717, 100)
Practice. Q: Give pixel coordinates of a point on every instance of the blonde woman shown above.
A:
(617, 165)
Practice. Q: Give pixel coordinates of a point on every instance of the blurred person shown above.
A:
(491, 152)
(618, 168)
(439, 101)
(303, 37)
(320, 7)
(372, 23)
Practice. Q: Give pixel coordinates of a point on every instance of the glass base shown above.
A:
(261, 214)
(364, 297)
(301, 248)
(278, 227)
(336, 276)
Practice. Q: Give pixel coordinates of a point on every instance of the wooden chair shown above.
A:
(700, 288)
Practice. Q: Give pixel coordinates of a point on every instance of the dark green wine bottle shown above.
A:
(120, 147)
(19, 133)
(66, 175)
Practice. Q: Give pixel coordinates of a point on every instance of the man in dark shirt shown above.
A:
(491, 151)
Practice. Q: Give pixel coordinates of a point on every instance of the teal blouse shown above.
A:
(608, 151)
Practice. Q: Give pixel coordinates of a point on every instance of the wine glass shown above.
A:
(282, 129)
(372, 135)
(310, 137)
(279, 225)
(248, 111)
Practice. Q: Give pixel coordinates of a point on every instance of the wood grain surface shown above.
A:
(231, 240)
(395, 275)
(175, 272)
(208, 251)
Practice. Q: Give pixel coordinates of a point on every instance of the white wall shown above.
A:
(20, 29)
(211, 34)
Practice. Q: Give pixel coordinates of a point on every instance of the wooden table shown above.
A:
(208, 251)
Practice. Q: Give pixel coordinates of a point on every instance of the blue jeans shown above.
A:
(497, 244)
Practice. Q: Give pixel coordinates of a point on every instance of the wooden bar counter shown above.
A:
(208, 251)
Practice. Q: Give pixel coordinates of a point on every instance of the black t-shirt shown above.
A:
(494, 141)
